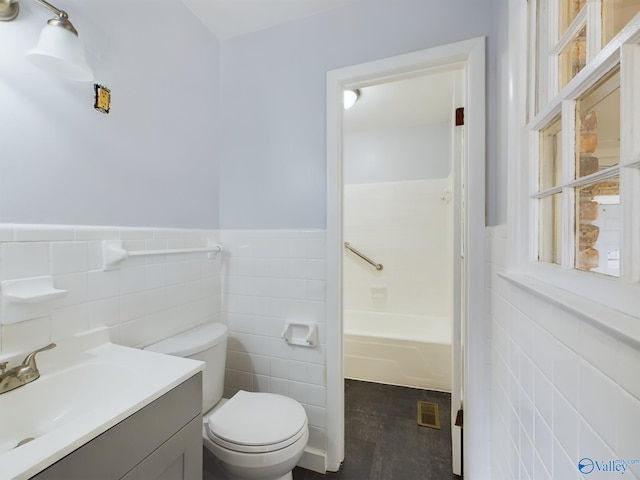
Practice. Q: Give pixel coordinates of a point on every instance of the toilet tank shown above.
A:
(207, 343)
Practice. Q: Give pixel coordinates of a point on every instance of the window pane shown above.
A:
(568, 11)
(598, 126)
(598, 221)
(550, 237)
(615, 15)
(573, 58)
(551, 155)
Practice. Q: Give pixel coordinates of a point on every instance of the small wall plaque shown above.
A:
(102, 98)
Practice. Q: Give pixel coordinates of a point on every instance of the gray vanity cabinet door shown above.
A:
(179, 458)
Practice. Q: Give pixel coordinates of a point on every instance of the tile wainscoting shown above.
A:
(562, 389)
(261, 279)
(270, 277)
(142, 300)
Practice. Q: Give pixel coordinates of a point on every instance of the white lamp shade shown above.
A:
(350, 99)
(60, 52)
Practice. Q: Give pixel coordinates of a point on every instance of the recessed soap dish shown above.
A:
(28, 298)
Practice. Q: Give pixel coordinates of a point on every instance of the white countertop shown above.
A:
(104, 383)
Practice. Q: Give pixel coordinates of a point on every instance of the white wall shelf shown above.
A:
(28, 298)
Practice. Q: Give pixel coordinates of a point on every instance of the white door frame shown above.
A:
(470, 56)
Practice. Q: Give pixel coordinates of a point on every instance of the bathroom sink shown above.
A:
(86, 386)
(55, 399)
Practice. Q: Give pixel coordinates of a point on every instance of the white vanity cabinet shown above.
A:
(161, 441)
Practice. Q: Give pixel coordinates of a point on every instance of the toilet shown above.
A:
(253, 435)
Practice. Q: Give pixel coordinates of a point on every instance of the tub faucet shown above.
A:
(21, 374)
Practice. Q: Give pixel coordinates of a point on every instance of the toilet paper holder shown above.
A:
(300, 332)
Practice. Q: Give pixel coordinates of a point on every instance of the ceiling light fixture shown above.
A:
(59, 50)
(350, 97)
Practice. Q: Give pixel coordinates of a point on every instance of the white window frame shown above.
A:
(620, 294)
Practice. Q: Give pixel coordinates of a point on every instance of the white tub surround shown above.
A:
(407, 227)
(398, 320)
(406, 350)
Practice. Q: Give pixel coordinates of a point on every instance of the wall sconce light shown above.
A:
(350, 97)
(59, 50)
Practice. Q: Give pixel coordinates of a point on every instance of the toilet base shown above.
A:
(221, 473)
(288, 476)
(266, 472)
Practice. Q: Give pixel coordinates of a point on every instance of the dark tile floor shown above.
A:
(382, 438)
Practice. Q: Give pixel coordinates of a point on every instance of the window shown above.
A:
(550, 198)
(585, 139)
(570, 34)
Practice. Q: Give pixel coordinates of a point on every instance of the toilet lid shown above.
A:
(254, 419)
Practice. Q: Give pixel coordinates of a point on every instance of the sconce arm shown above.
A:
(57, 11)
(61, 19)
(9, 10)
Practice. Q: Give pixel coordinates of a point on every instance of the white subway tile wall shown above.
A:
(143, 300)
(270, 277)
(408, 228)
(260, 280)
(562, 389)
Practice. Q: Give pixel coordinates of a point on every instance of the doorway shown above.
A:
(401, 206)
(398, 208)
(467, 58)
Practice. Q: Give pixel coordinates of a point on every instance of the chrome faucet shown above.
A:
(21, 374)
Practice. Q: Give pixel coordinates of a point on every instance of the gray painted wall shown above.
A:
(273, 100)
(152, 161)
(498, 166)
(156, 159)
(397, 154)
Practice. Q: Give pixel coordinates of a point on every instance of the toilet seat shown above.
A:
(252, 422)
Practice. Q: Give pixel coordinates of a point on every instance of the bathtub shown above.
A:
(398, 349)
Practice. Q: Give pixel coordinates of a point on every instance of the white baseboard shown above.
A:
(314, 459)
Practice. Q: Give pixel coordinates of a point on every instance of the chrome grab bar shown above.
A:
(348, 246)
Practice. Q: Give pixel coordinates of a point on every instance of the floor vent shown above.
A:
(428, 415)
